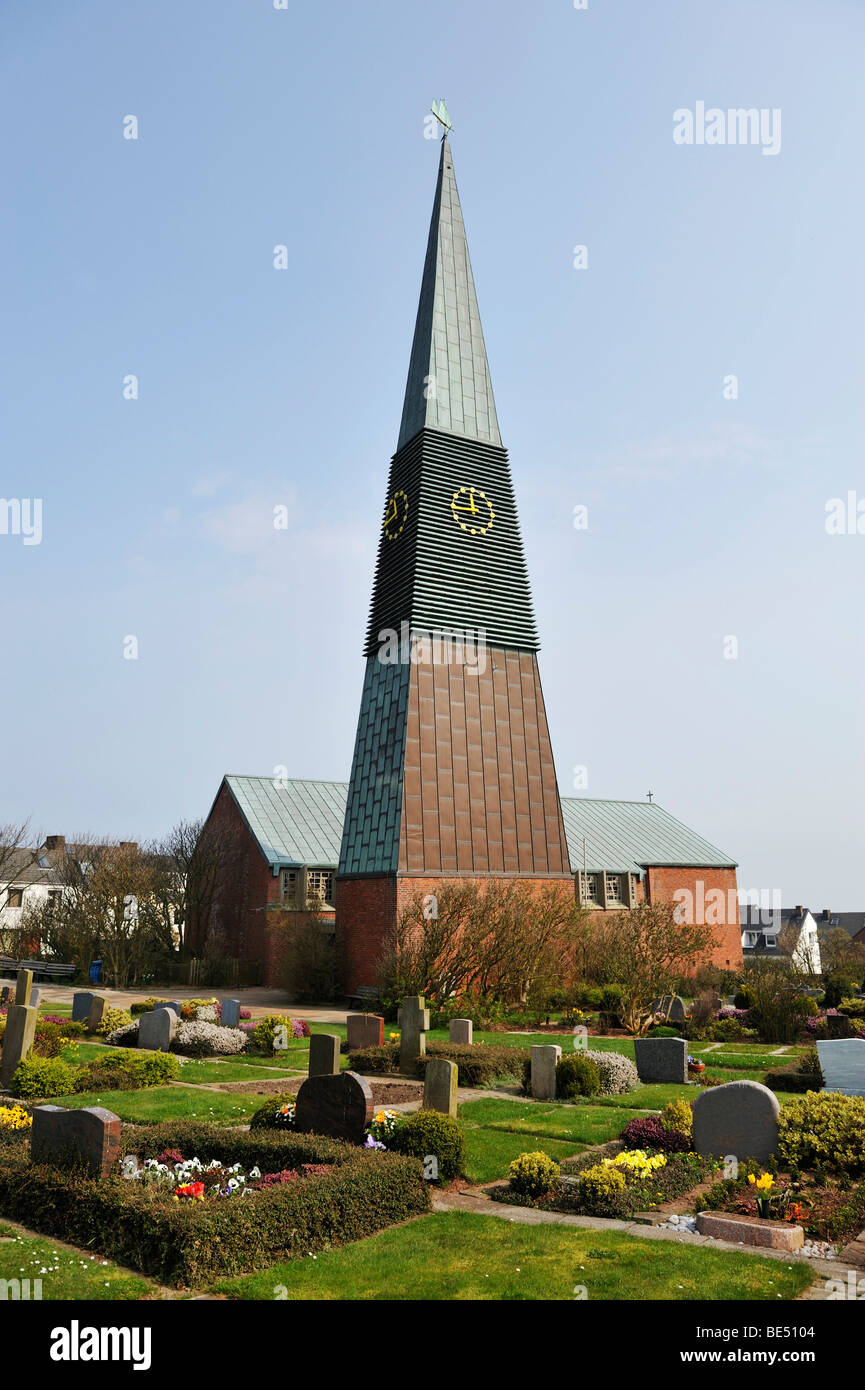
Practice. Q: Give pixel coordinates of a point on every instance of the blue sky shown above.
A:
(305, 127)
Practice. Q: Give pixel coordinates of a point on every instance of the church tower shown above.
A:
(453, 773)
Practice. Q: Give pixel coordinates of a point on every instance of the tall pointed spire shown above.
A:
(449, 386)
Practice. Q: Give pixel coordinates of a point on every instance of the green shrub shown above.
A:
(478, 1064)
(678, 1116)
(743, 998)
(789, 1079)
(663, 1030)
(143, 1006)
(268, 1116)
(129, 1071)
(426, 1134)
(533, 1174)
(838, 987)
(191, 1244)
(611, 998)
(599, 1187)
(823, 1128)
(853, 1008)
(111, 1019)
(375, 1060)
(265, 1030)
(577, 1075)
(38, 1078)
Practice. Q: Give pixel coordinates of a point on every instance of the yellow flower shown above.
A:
(751, 1178)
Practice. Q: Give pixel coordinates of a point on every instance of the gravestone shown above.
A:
(4, 994)
(544, 1061)
(23, 986)
(173, 1004)
(98, 1005)
(35, 996)
(671, 1006)
(461, 1030)
(838, 1026)
(229, 1015)
(81, 1006)
(740, 1117)
(842, 1063)
(413, 1021)
(364, 1030)
(440, 1086)
(661, 1059)
(156, 1029)
(17, 1039)
(339, 1106)
(87, 1139)
(324, 1054)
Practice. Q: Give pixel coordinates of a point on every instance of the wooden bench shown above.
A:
(363, 997)
(54, 970)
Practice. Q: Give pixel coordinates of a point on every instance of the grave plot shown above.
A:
(186, 1203)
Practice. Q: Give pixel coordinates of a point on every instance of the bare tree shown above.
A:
(16, 857)
(647, 950)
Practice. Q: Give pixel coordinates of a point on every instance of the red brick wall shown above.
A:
(279, 925)
(721, 910)
(245, 884)
(367, 909)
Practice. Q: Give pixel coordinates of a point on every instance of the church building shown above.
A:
(453, 774)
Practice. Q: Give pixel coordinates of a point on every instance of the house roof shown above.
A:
(627, 836)
(300, 822)
(851, 922)
(23, 867)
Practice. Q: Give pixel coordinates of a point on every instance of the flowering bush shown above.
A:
(636, 1162)
(598, 1188)
(208, 1013)
(383, 1125)
(208, 1040)
(270, 1034)
(126, 1036)
(650, 1133)
(15, 1117)
(823, 1128)
(191, 1178)
(189, 1009)
(617, 1073)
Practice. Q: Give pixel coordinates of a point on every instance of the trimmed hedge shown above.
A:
(789, 1079)
(427, 1134)
(190, 1244)
(478, 1064)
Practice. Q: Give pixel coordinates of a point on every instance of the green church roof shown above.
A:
(301, 822)
(626, 836)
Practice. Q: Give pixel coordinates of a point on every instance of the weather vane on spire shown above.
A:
(440, 111)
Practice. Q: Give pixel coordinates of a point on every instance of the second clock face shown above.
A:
(472, 510)
(395, 514)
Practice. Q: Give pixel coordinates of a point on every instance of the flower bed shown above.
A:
(345, 1193)
(478, 1064)
(614, 1182)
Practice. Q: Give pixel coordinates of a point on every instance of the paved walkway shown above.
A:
(260, 1002)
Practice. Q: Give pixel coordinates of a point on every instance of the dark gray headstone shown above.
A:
(5, 993)
(81, 1006)
(98, 1005)
(156, 1029)
(172, 1004)
(364, 1030)
(338, 1106)
(87, 1139)
(35, 996)
(230, 1013)
(671, 1006)
(842, 1063)
(324, 1054)
(739, 1118)
(440, 1086)
(661, 1059)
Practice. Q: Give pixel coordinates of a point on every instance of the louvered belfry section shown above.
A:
(453, 773)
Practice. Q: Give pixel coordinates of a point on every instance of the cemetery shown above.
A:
(201, 1165)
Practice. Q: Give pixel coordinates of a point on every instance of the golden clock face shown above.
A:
(472, 510)
(395, 514)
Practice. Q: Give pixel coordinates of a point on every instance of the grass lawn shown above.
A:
(490, 1152)
(461, 1256)
(168, 1103)
(580, 1124)
(208, 1071)
(66, 1273)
